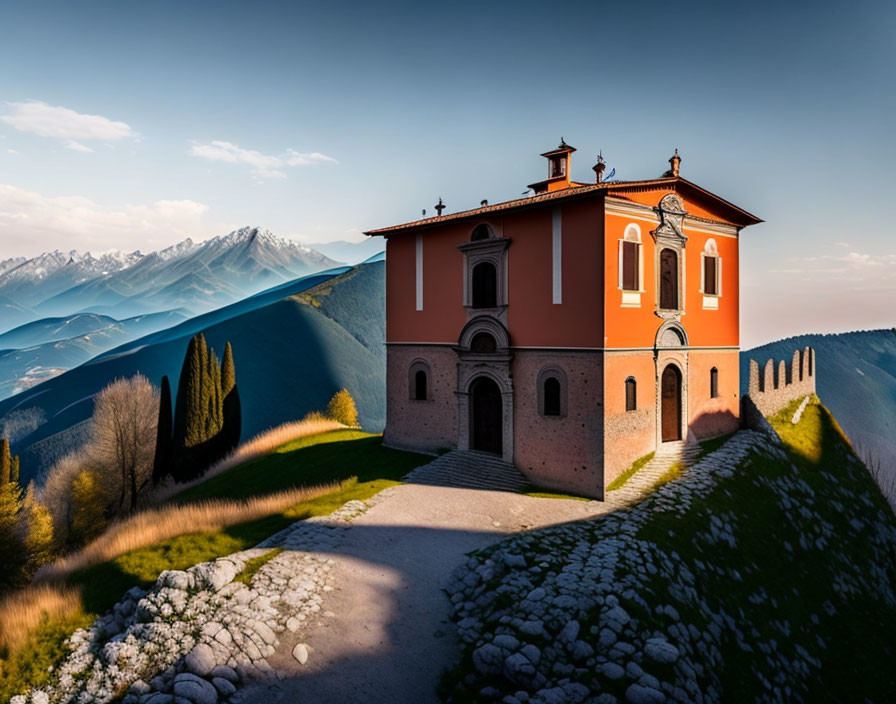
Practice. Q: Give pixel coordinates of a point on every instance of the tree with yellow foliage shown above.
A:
(342, 409)
(88, 507)
(39, 538)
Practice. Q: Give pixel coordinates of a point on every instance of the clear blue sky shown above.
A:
(131, 125)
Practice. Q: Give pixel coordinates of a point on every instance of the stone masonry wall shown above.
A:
(779, 385)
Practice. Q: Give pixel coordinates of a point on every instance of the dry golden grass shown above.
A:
(22, 611)
(155, 525)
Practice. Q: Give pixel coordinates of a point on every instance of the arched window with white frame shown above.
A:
(631, 266)
(711, 274)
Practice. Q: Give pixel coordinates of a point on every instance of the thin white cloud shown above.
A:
(77, 146)
(33, 223)
(264, 166)
(56, 122)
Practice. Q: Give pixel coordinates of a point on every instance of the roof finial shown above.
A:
(675, 162)
(599, 167)
(440, 206)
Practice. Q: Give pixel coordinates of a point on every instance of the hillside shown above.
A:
(856, 377)
(48, 347)
(769, 578)
(291, 355)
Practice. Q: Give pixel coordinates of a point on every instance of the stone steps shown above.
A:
(645, 478)
(469, 469)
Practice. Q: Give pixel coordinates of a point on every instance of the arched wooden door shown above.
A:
(486, 421)
(671, 403)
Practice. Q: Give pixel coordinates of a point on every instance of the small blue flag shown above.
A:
(610, 175)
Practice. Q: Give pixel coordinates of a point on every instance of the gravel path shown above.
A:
(385, 634)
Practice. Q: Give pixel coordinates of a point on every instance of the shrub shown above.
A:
(342, 409)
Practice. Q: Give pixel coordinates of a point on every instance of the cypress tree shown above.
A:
(14, 470)
(228, 370)
(232, 411)
(162, 464)
(199, 416)
(5, 462)
(189, 419)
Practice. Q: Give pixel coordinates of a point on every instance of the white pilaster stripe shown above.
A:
(419, 272)
(557, 249)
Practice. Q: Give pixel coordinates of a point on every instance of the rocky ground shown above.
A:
(659, 601)
(197, 635)
(600, 611)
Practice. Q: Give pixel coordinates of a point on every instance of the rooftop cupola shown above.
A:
(674, 162)
(558, 169)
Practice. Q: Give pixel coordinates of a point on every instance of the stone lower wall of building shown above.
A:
(710, 417)
(564, 452)
(560, 452)
(428, 425)
(628, 435)
(780, 383)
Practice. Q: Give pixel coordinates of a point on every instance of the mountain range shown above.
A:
(59, 309)
(294, 344)
(194, 276)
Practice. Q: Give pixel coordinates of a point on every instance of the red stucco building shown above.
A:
(570, 332)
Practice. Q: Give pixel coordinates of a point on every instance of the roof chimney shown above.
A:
(440, 206)
(675, 161)
(599, 168)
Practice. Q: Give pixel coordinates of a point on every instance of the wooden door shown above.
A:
(486, 423)
(671, 404)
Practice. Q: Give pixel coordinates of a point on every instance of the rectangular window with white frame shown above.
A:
(631, 267)
(710, 275)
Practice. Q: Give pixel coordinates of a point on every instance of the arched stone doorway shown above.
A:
(670, 386)
(486, 416)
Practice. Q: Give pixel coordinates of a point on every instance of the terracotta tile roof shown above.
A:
(577, 190)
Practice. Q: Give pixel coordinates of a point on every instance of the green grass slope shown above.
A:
(770, 580)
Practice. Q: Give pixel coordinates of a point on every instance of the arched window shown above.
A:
(631, 394)
(483, 342)
(630, 259)
(418, 380)
(711, 275)
(481, 232)
(485, 285)
(551, 396)
(668, 280)
(551, 390)
(420, 385)
(713, 383)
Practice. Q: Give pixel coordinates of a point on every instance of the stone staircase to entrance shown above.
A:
(469, 469)
(669, 454)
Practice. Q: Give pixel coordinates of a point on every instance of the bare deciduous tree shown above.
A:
(125, 414)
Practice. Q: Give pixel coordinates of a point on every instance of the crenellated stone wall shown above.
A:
(777, 385)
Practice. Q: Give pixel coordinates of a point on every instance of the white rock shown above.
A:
(200, 660)
(300, 653)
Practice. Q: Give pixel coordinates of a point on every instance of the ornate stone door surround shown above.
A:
(671, 347)
(492, 364)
